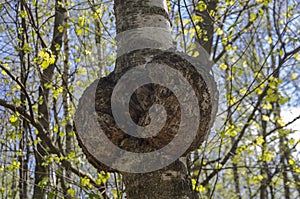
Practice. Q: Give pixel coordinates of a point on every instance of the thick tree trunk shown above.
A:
(151, 166)
(172, 181)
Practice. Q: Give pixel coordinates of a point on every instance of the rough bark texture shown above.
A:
(171, 181)
(146, 96)
(207, 25)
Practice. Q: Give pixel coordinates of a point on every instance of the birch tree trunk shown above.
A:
(172, 181)
(144, 41)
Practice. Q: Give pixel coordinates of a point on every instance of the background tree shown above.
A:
(46, 63)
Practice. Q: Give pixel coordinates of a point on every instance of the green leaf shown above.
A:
(13, 119)
(202, 6)
(71, 192)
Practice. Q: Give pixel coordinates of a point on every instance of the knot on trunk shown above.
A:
(158, 110)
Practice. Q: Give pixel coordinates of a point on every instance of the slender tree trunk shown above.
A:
(41, 172)
(66, 106)
(284, 157)
(283, 148)
(230, 121)
(23, 159)
(205, 35)
(100, 47)
(264, 166)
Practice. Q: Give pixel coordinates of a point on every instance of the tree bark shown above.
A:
(144, 39)
(172, 181)
(66, 106)
(205, 37)
(43, 108)
(23, 146)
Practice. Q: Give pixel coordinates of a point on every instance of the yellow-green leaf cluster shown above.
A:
(199, 188)
(231, 131)
(46, 58)
(267, 156)
(257, 179)
(85, 182)
(202, 6)
(71, 192)
(102, 177)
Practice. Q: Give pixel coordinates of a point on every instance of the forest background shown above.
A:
(253, 149)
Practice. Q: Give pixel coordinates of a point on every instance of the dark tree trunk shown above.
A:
(41, 172)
